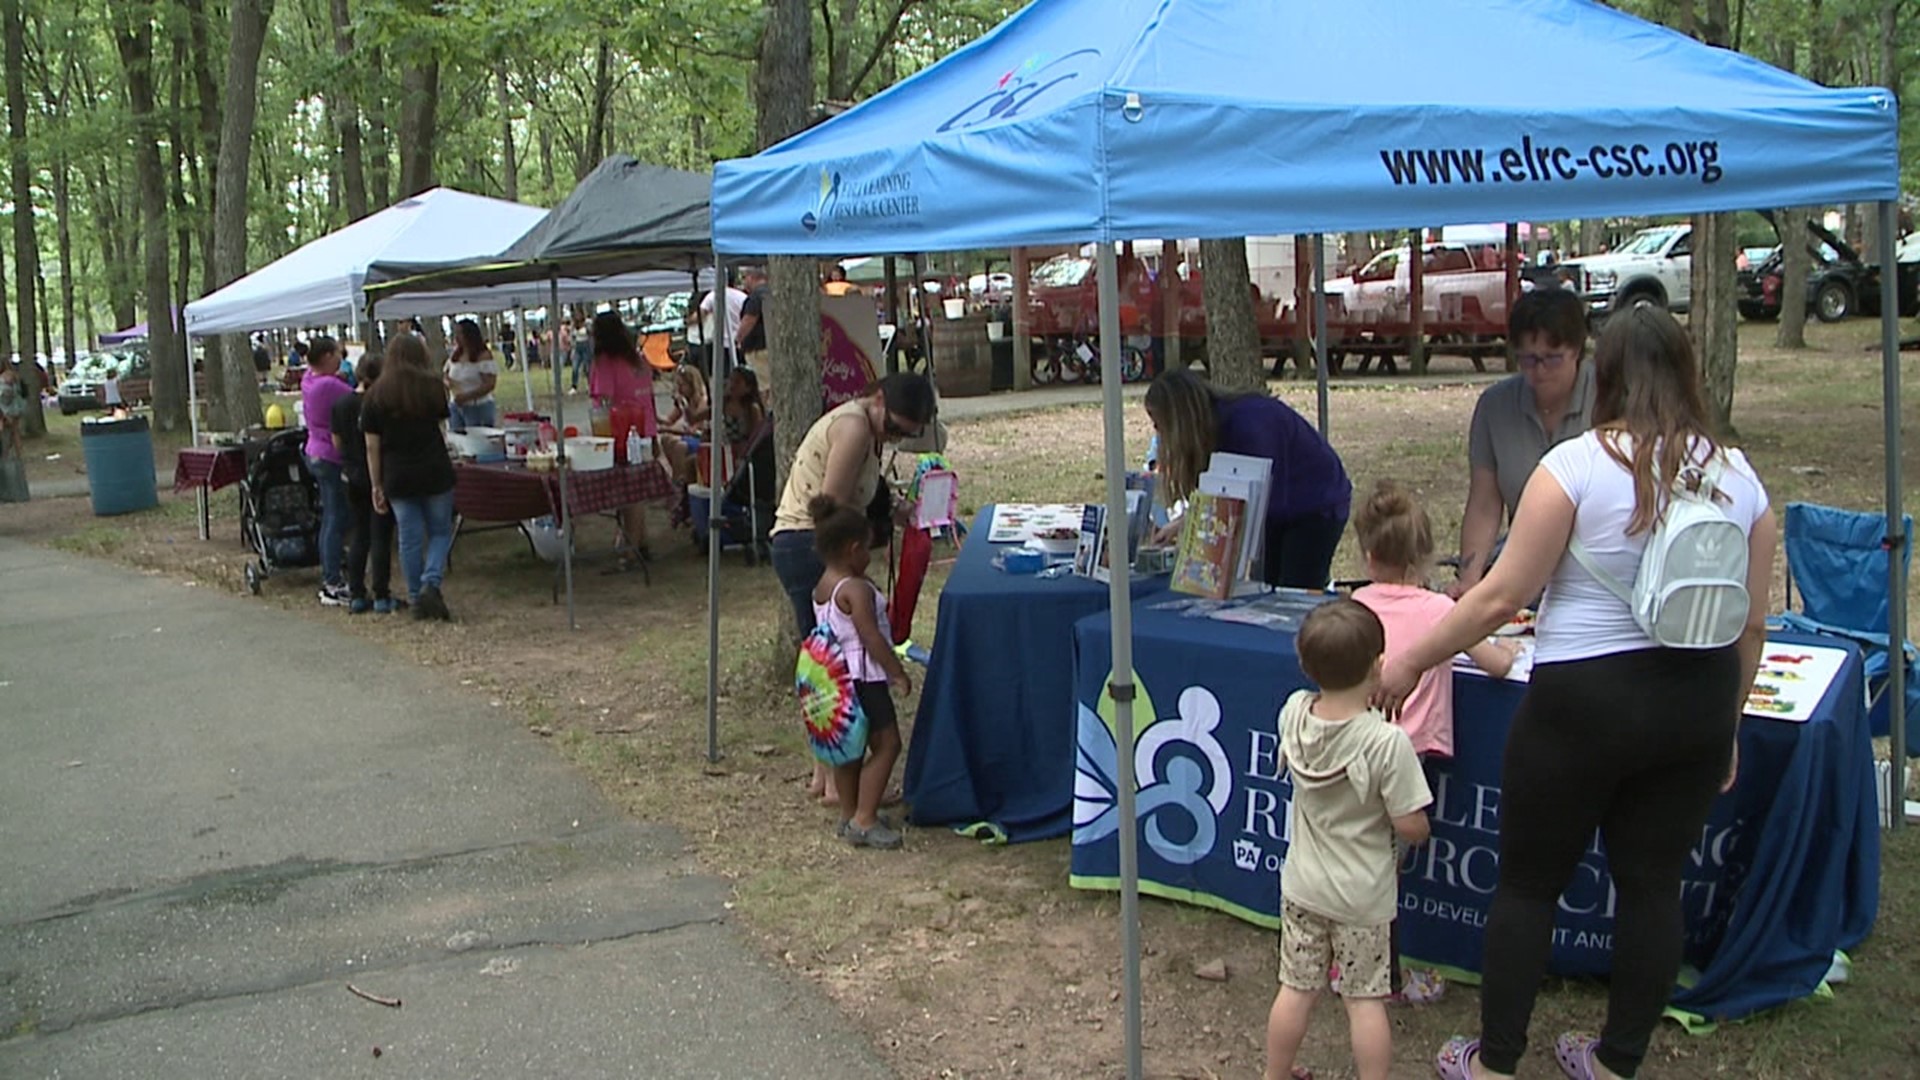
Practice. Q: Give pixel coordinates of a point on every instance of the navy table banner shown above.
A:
(991, 743)
(1786, 871)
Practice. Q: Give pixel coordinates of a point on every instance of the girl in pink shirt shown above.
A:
(1397, 541)
(1396, 538)
(619, 377)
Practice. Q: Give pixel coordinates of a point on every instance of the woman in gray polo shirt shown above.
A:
(1521, 417)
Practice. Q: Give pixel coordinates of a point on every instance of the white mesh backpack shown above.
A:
(1691, 589)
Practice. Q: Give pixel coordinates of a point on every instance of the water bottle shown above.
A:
(548, 438)
(635, 447)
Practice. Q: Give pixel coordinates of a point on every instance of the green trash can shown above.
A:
(119, 455)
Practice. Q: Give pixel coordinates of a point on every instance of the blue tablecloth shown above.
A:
(1787, 870)
(991, 742)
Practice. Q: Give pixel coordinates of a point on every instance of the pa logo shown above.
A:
(1180, 770)
(1246, 854)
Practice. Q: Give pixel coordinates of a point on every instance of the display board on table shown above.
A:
(1223, 536)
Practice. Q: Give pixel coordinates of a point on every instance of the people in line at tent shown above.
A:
(471, 375)
(579, 355)
(1521, 417)
(320, 390)
(1310, 494)
(840, 457)
(621, 381)
(409, 470)
(836, 283)
(1615, 733)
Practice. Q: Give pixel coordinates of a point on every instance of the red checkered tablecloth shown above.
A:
(509, 492)
(212, 467)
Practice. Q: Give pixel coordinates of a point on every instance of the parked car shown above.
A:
(1839, 282)
(1653, 264)
(1452, 274)
(85, 386)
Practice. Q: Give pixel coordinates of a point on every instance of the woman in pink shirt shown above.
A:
(620, 378)
(1396, 538)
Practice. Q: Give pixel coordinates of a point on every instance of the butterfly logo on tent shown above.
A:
(1017, 89)
(824, 204)
(1180, 771)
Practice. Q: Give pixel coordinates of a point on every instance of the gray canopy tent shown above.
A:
(626, 217)
(1109, 120)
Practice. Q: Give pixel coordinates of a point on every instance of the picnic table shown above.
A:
(208, 468)
(507, 495)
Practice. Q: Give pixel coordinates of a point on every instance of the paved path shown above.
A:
(208, 831)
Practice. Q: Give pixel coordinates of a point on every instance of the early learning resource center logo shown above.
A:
(843, 202)
(1180, 771)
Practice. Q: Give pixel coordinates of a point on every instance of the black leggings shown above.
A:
(369, 545)
(1299, 554)
(1636, 745)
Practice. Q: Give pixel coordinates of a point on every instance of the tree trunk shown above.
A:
(6, 321)
(783, 99)
(1713, 321)
(1359, 250)
(509, 159)
(26, 249)
(1795, 264)
(239, 406)
(63, 229)
(207, 145)
(346, 117)
(1233, 338)
(133, 39)
(419, 106)
(596, 142)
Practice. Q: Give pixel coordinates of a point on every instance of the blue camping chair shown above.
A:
(1838, 561)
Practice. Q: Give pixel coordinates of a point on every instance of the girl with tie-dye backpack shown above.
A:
(845, 671)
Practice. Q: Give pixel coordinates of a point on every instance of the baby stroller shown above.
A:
(279, 507)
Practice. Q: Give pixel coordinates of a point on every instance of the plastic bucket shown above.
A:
(119, 456)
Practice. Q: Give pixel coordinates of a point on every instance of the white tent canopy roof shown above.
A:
(322, 282)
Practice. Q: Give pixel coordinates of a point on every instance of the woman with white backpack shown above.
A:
(1655, 547)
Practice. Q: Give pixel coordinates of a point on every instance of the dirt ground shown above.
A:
(964, 960)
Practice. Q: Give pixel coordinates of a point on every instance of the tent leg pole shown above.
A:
(526, 369)
(716, 451)
(1320, 327)
(1897, 540)
(559, 425)
(1121, 680)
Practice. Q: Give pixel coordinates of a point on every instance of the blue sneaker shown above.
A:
(360, 605)
(383, 606)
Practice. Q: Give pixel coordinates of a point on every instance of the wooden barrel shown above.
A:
(962, 356)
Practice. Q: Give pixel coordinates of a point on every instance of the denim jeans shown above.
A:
(799, 568)
(479, 414)
(425, 525)
(333, 518)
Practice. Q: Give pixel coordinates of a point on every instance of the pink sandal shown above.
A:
(1455, 1061)
(1574, 1051)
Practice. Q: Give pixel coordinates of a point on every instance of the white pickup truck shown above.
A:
(1654, 264)
(1381, 290)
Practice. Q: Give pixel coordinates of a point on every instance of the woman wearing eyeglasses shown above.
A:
(1523, 416)
(840, 456)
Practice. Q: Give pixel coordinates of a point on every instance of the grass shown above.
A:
(966, 960)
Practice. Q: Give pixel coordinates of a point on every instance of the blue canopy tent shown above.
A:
(1109, 120)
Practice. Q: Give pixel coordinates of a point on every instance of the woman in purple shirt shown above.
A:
(1310, 494)
(320, 390)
